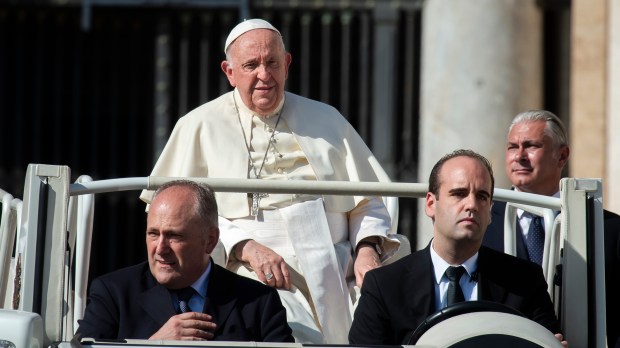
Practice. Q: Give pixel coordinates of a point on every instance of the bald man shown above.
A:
(179, 293)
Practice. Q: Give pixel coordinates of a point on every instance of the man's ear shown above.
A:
(228, 71)
(429, 205)
(563, 153)
(212, 239)
(288, 58)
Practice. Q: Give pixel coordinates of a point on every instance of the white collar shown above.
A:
(244, 110)
(440, 265)
(200, 285)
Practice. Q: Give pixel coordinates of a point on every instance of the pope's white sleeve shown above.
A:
(371, 218)
(231, 234)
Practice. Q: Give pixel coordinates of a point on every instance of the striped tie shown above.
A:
(184, 295)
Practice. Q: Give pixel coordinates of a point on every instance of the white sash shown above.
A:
(312, 242)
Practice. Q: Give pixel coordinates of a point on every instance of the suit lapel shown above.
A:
(421, 269)
(219, 303)
(521, 248)
(488, 289)
(156, 301)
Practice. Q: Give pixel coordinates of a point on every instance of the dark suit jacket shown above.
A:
(494, 238)
(494, 235)
(129, 303)
(396, 298)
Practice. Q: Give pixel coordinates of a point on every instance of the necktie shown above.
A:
(184, 295)
(536, 240)
(455, 293)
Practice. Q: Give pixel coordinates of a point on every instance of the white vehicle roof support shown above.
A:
(583, 288)
(8, 228)
(10, 299)
(46, 254)
(82, 218)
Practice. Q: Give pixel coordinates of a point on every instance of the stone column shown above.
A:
(588, 86)
(481, 65)
(612, 185)
(595, 98)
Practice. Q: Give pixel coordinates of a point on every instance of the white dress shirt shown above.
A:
(525, 219)
(197, 301)
(468, 281)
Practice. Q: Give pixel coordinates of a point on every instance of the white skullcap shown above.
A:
(245, 26)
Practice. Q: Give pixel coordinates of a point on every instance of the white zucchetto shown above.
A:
(245, 26)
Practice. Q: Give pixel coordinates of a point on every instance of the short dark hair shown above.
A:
(433, 180)
(205, 203)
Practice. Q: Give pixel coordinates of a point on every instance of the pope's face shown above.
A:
(177, 243)
(533, 163)
(258, 69)
(462, 208)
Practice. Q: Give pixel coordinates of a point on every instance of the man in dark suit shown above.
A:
(397, 298)
(179, 293)
(536, 152)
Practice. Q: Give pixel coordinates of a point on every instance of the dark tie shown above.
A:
(184, 295)
(455, 293)
(536, 240)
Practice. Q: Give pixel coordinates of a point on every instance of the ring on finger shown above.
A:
(269, 276)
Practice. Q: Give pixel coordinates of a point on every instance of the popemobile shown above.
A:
(46, 242)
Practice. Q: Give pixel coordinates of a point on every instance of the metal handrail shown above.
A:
(399, 189)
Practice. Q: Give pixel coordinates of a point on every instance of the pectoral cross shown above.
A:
(256, 197)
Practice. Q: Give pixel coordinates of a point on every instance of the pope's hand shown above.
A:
(190, 326)
(268, 265)
(367, 259)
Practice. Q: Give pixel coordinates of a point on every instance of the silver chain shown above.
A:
(247, 146)
(256, 197)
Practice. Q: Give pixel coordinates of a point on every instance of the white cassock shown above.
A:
(314, 234)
